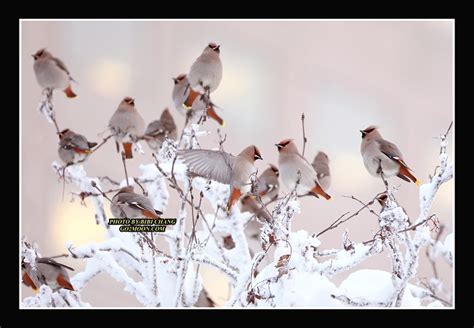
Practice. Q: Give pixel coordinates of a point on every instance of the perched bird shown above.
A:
(250, 204)
(383, 157)
(51, 73)
(290, 162)
(126, 203)
(206, 72)
(158, 130)
(268, 184)
(127, 125)
(223, 167)
(189, 102)
(321, 166)
(47, 271)
(73, 147)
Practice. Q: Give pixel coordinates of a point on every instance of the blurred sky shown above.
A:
(344, 75)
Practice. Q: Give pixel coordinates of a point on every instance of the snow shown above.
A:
(449, 244)
(374, 286)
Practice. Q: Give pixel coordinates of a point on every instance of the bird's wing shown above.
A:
(210, 164)
(154, 128)
(322, 169)
(53, 262)
(391, 151)
(61, 65)
(75, 142)
(135, 200)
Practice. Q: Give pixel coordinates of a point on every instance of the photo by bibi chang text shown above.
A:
(142, 224)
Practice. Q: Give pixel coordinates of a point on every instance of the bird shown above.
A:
(46, 271)
(206, 72)
(127, 125)
(189, 102)
(127, 204)
(250, 204)
(381, 157)
(158, 130)
(51, 73)
(267, 188)
(268, 184)
(321, 166)
(222, 167)
(73, 147)
(290, 162)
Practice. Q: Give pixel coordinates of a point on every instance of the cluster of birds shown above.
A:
(191, 97)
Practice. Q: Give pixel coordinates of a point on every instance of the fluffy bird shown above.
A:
(126, 203)
(158, 130)
(51, 73)
(321, 166)
(268, 184)
(189, 102)
(223, 167)
(383, 157)
(290, 162)
(206, 72)
(73, 147)
(127, 125)
(47, 271)
(250, 204)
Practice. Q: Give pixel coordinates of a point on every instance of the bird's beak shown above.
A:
(34, 56)
(362, 132)
(175, 80)
(258, 157)
(218, 47)
(278, 146)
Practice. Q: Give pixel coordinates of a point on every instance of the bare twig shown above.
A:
(340, 219)
(125, 167)
(305, 140)
(221, 140)
(102, 142)
(106, 178)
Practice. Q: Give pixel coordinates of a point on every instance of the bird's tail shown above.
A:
(317, 190)
(212, 114)
(406, 173)
(69, 93)
(127, 148)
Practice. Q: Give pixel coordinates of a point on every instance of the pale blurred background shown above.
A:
(344, 75)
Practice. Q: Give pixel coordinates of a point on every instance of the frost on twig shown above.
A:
(292, 268)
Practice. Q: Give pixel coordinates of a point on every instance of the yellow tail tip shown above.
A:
(418, 183)
(186, 107)
(223, 124)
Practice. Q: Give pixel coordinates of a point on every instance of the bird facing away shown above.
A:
(189, 102)
(48, 272)
(383, 157)
(321, 166)
(290, 162)
(158, 130)
(268, 184)
(206, 72)
(223, 167)
(250, 204)
(73, 147)
(51, 73)
(127, 125)
(127, 204)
